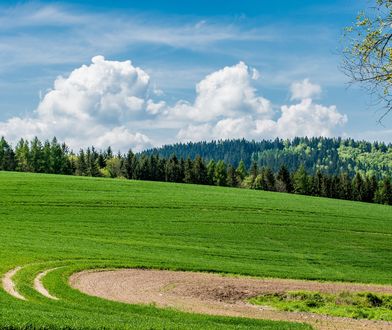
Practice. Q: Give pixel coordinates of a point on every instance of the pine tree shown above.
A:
(254, 170)
(22, 155)
(241, 170)
(7, 156)
(173, 170)
(384, 194)
(220, 176)
(232, 179)
(211, 172)
(81, 165)
(301, 181)
(199, 171)
(188, 171)
(47, 166)
(346, 189)
(285, 178)
(36, 155)
(130, 163)
(270, 179)
(358, 187)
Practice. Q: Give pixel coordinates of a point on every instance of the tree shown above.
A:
(81, 166)
(130, 163)
(270, 179)
(254, 170)
(220, 175)
(22, 155)
(358, 187)
(188, 171)
(301, 181)
(284, 179)
(199, 170)
(211, 172)
(232, 179)
(36, 155)
(241, 170)
(384, 195)
(7, 156)
(368, 52)
(173, 170)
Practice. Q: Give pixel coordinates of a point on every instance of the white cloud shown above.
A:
(304, 89)
(91, 106)
(224, 93)
(234, 110)
(108, 103)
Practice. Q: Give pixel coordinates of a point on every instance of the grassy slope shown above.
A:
(76, 222)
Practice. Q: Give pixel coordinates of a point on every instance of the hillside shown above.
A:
(77, 223)
(331, 155)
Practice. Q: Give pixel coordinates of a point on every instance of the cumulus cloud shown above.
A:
(95, 104)
(250, 115)
(304, 89)
(225, 93)
(112, 103)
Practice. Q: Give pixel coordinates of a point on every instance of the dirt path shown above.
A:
(9, 285)
(215, 294)
(38, 285)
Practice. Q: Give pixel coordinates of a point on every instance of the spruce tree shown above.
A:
(241, 170)
(232, 179)
(81, 165)
(211, 172)
(285, 178)
(301, 181)
(199, 171)
(220, 175)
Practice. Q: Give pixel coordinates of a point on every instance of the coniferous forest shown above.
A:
(328, 155)
(334, 168)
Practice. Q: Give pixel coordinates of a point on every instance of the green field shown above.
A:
(76, 222)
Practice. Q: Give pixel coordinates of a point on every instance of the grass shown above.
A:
(364, 305)
(48, 221)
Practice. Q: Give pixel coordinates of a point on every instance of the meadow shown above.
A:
(77, 223)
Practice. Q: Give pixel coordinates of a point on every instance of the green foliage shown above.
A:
(368, 52)
(365, 305)
(331, 156)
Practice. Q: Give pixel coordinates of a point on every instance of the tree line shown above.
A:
(329, 155)
(57, 158)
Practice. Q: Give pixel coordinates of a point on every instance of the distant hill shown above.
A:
(331, 155)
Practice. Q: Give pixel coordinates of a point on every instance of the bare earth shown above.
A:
(39, 287)
(216, 295)
(9, 285)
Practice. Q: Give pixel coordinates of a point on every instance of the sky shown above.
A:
(138, 74)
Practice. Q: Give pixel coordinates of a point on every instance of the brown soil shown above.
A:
(217, 295)
(9, 285)
(39, 287)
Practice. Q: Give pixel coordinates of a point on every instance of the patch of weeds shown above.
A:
(362, 305)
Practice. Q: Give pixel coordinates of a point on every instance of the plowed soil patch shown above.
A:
(216, 295)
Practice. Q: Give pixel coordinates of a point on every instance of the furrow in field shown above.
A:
(9, 285)
(39, 287)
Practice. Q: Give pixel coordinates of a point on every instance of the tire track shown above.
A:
(9, 285)
(40, 288)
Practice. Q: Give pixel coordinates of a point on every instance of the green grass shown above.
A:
(48, 221)
(363, 305)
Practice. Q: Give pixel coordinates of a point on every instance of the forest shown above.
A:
(54, 157)
(328, 155)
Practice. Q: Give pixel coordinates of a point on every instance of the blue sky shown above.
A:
(178, 45)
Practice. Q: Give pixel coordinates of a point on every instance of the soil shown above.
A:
(9, 285)
(38, 286)
(217, 295)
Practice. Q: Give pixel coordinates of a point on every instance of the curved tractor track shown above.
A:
(200, 293)
(216, 295)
